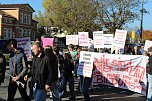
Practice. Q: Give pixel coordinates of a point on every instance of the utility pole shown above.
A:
(141, 22)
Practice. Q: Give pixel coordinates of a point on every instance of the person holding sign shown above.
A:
(85, 80)
(149, 94)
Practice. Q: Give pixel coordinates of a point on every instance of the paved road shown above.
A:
(103, 93)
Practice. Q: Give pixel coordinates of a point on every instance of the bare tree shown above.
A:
(114, 14)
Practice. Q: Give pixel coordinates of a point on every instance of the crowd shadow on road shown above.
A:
(108, 93)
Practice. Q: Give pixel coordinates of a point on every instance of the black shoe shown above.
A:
(72, 98)
(31, 97)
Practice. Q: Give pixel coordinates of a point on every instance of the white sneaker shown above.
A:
(51, 95)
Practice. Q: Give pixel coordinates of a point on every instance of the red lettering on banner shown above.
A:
(98, 64)
(140, 72)
(107, 68)
(96, 73)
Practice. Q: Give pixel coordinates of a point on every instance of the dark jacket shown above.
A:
(150, 65)
(2, 67)
(68, 68)
(42, 71)
(54, 65)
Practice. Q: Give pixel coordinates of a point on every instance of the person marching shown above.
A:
(149, 93)
(68, 75)
(41, 73)
(18, 69)
(2, 66)
(54, 63)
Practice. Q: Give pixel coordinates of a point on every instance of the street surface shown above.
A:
(102, 93)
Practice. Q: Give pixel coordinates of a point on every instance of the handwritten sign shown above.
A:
(72, 39)
(123, 71)
(108, 40)
(120, 38)
(47, 41)
(148, 44)
(25, 43)
(85, 64)
(98, 39)
(83, 39)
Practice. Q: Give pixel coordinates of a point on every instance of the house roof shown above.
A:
(3, 6)
(5, 14)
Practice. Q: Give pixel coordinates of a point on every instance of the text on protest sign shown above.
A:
(123, 71)
(108, 40)
(72, 39)
(148, 44)
(98, 39)
(83, 39)
(85, 64)
(120, 38)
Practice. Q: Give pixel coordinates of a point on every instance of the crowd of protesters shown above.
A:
(50, 69)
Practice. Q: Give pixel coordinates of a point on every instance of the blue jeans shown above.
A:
(84, 87)
(55, 91)
(71, 85)
(149, 94)
(39, 94)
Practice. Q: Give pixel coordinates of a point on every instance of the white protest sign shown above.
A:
(83, 38)
(108, 40)
(148, 44)
(25, 43)
(123, 71)
(120, 38)
(98, 39)
(85, 64)
(72, 39)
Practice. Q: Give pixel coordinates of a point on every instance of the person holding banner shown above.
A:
(149, 93)
(18, 68)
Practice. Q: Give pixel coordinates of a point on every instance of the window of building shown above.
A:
(21, 32)
(26, 33)
(29, 19)
(7, 33)
(25, 18)
(5, 20)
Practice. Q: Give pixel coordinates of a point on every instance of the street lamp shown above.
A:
(141, 22)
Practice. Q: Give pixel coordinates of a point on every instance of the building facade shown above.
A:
(16, 21)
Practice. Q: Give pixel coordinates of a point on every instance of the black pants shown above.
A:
(12, 87)
(30, 85)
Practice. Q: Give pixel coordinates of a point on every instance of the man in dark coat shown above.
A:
(2, 67)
